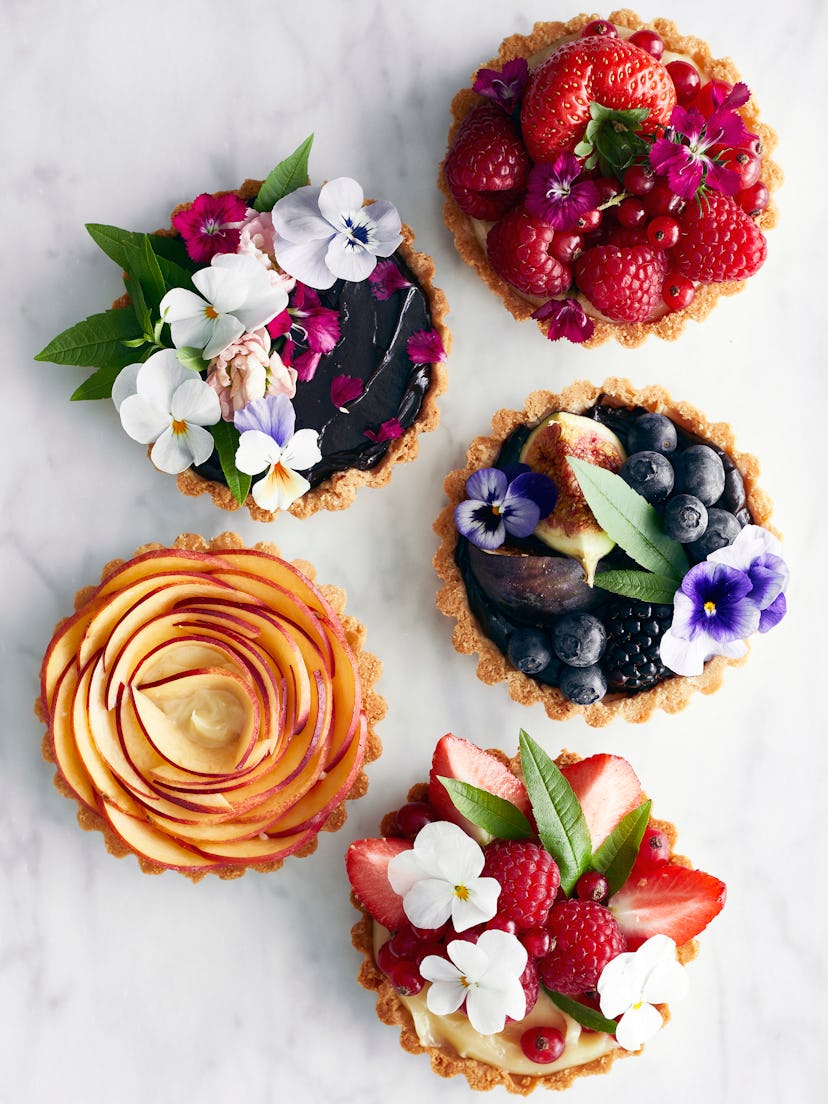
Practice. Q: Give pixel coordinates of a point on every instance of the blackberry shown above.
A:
(634, 631)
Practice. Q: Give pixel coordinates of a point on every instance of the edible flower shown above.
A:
(210, 225)
(326, 233)
(553, 195)
(439, 879)
(236, 295)
(425, 347)
(632, 983)
(388, 431)
(312, 331)
(758, 553)
(167, 405)
(268, 443)
(505, 86)
(385, 280)
(567, 318)
(486, 975)
(496, 506)
(344, 389)
(247, 370)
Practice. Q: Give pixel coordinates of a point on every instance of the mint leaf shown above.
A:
(98, 386)
(561, 825)
(119, 245)
(290, 174)
(143, 264)
(495, 815)
(226, 437)
(191, 357)
(139, 303)
(96, 342)
(629, 520)
(616, 855)
(643, 585)
(582, 1013)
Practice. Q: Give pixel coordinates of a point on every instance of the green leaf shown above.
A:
(616, 855)
(97, 386)
(643, 585)
(191, 357)
(561, 825)
(144, 264)
(119, 245)
(139, 303)
(226, 437)
(495, 815)
(96, 342)
(290, 174)
(629, 519)
(582, 1014)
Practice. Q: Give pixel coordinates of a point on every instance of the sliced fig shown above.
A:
(571, 528)
(533, 588)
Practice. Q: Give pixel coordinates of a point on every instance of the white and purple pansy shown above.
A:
(555, 195)
(269, 444)
(497, 505)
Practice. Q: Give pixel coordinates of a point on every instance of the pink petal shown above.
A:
(425, 347)
(345, 389)
(386, 432)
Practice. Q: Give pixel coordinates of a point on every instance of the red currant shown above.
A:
(710, 95)
(426, 949)
(427, 934)
(542, 1044)
(663, 232)
(746, 164)
(655, 847)
(631, 212)
(662, 200)
(677, 292)
(386, 958)
(686, 79)
(404, 943)
(639, 179)
(537, 942)
(607, 187)
(405, 977)
(649, 41)
(502, 923)
(592, 886)
(755, 199)
(589, 220)
(412, 817)
(599, 27)
(566, 246)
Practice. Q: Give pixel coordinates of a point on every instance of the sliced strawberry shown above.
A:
(607, 788)
(670, 900)
(455, 757)
(367, 864)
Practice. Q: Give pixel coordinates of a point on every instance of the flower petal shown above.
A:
(341, 196)
(224, 287)
(348, 260)
(638, 1026)
(302, 450)
(488, 485)
(469, 959)
(773, 614)
(386, 236)
(273, 415)
(196, 403)
(520, 515)
(279, 488)
(486, 1009)
(141, 421)
(404, 871)
(172, 453)
(159, 377)
(296, 217)
(475, 522)
(125, 384)
(445, 997)
(223, 332)
(181, 303)
(619, 985)
(256, 451)
(685, 657)
(428, 903)
(505, 949)
(666, 982)
(306, 260)
(478, 907)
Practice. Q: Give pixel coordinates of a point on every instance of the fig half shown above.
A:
(531, 588)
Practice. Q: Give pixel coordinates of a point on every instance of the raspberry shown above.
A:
(487, 166)
(719, 241)
(518, 247)
(623, 282)
(530, 981)
(529, 879)
(586, 938)
(632, 659)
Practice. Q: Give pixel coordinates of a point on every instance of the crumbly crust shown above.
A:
(369, 668)
(672, 694)
(472, 249)
(445, 1061)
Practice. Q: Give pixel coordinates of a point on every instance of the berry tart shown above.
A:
(608, 551)
(209, 707)
(526, 922)
(609, 178)
(278, 346)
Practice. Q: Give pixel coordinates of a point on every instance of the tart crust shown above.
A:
(369, 669)
(672, 694)
(445, 1061)
(470, 242)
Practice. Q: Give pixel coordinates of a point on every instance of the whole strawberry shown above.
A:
(487, 166)
(719, 241)
(518, 250)
(623, 282)
(586, 937)
(610, 71)
(529, 880)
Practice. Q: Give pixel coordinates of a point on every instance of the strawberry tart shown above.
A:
(209, 707)
(608, 551)
(609, 178)
(526, 922)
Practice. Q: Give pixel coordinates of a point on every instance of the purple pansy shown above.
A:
(554, 194)
(496, 506)
(425, 347)
(386, 279)
(506, 86)
(758, 553)
(344, 389)
(567, 318)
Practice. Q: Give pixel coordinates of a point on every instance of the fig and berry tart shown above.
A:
(278, 346)
(525, 922)
(209, 707)
(609, 178)
(608, 551)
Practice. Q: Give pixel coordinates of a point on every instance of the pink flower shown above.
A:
(386, 279)
(246, 370)
(345, 389)
(567, 318)
(386, 432)
(256, 236)
(425, 347)
(210, 225)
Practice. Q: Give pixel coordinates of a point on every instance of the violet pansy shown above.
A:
(758, 552)
(269, 444)
(496, 506)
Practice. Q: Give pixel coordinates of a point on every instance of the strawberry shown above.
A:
(607, 788)
(668, 900)
(609, 71)
(487, 166)
(623, 282)
(719, 241)
(366, 862)
(518, 248)
(455, 757)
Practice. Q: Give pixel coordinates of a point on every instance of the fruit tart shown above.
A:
(209, 707)
(609, 178)
(525, 922)
(608, 551)
(278, 346)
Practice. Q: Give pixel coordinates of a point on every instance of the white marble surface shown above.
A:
(131, 988)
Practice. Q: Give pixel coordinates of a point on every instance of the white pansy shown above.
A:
(631, 984)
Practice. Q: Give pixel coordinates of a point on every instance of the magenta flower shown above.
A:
(210, 225)
(567, 318)
(496, 506)
(310, 329)
(505, 87)
(425, 347)
(386, 279)
(553, 194)
(386, 432)
(344, 389)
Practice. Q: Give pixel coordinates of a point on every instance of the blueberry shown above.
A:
(583, 685)
(722, 530)
(700, 472)
(652, 431)
(551, 674)
(649, 473)
(684, 518)
(529, 651)
(579, 639)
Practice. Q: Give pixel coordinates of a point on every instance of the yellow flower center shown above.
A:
(462, 892)
(210, 312)
(179, 427)
(709, 608)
